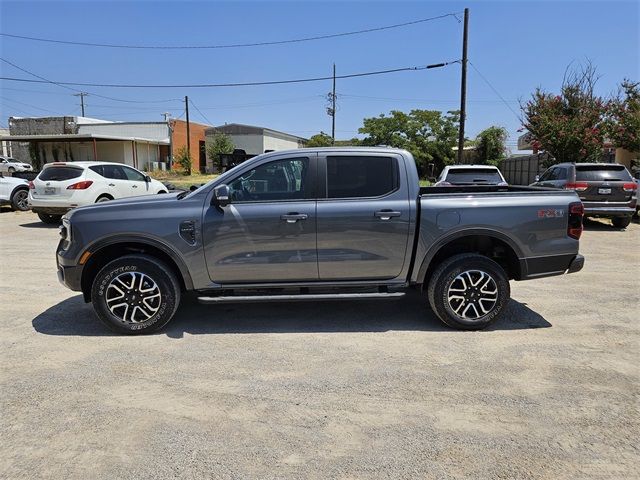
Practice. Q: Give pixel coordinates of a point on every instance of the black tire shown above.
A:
(448, 274)
(161, 191)
(49, 218)
(148, 317)
(103, 198)
(19, 200)
(621, 222)
(11, 170)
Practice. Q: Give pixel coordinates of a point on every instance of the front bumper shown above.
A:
(69, 273)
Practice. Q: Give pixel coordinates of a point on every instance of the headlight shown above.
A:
(65, 229)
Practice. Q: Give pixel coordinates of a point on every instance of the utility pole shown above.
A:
(186, 108)
(81, 95)
(333, 108)
(463, 86)
(166, 116)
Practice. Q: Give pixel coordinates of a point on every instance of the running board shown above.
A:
(301, 298)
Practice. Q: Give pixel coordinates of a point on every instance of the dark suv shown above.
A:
(606, 189)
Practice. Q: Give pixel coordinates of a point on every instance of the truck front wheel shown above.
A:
(135, 294)
(468, 291)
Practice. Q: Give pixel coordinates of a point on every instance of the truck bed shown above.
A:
(486, 189)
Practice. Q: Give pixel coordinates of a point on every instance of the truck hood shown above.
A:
(127, 205)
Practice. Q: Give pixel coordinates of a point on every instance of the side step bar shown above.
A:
(301, 298)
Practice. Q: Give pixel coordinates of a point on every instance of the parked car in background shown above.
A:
(62, 186)
(453, 175)
(606, 189)
(15, 192)
(10, 165)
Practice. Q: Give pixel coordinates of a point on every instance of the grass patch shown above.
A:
(182, 181)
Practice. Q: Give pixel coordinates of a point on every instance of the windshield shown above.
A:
(474, 175)
(602, 173)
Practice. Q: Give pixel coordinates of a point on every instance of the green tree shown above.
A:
(429, 135)
(183, 160)
(220, 143)
(570, 126)
(624, 111)
(353, 142)
(490, 145)
(320, 140)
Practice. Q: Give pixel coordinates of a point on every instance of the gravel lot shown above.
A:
(338, 390)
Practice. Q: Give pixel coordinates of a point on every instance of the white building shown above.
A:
(256, 140)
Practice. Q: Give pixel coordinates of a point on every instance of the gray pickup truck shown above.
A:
(317, 224)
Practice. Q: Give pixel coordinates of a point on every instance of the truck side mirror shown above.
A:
(222, 195)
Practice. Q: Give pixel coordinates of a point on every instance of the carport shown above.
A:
(137, 152)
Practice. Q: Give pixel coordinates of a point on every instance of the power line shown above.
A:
(232, 45)
(201, 114)
(218, 85)
(495, 91)
(5, 99)
(63, 85)
(426, 100)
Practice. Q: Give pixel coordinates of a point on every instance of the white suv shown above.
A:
(14, 191)
(10, 165)
(62, 186)
(456, 175)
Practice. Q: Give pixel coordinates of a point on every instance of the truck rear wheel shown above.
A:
(468, 291)
(135, 294)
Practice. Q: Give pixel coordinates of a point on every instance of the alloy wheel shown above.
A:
(133, 297)
(472, 294)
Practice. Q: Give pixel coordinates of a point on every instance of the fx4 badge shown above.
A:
(551, 213)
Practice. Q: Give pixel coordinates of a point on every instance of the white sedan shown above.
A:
(61, 186)
(10, 165)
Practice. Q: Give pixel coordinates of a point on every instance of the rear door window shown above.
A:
(602, 173)
(474, 175)
(115, 172)
(361, 176)
(60, 173)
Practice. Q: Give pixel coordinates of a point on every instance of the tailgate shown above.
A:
(604, 183)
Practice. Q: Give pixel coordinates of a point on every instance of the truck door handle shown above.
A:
(293, 217)
(387, 214)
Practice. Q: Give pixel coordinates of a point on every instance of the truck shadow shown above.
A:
(38, 225)
(74, 317)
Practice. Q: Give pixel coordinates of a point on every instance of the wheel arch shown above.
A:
(107, 250)
(16, 188)
(105, 194)
(492, 244)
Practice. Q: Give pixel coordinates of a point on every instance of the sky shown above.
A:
(514, 47)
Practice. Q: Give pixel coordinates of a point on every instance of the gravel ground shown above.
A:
(339, 390)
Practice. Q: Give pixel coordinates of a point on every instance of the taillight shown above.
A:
(574, 226)
(31, 185)
(80, 185)
(577, 186)
(630, 187)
